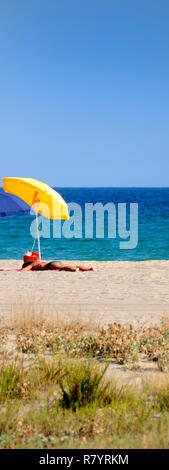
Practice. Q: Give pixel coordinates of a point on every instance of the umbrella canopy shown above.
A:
(48, 202)
(43, 199)
(11, 205)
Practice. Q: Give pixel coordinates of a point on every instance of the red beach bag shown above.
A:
(30, 256)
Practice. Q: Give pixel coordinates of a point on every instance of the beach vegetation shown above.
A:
(58, 389)
(78, 406)
(117, 342)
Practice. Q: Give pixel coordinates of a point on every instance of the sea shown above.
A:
(82, 239)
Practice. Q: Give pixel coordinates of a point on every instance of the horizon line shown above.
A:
(108, 187)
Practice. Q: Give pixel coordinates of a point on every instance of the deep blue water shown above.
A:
(153, 228)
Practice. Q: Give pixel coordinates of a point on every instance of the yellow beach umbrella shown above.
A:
(41, 197)
(33, 191)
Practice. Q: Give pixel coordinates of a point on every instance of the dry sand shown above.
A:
(123, 292)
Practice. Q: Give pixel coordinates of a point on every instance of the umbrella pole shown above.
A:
(37, 228)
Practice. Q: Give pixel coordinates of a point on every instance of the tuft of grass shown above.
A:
(12, 382)
(80, 385)
(45, 374)
(162, 398)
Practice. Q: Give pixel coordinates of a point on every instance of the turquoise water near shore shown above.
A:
(153, 228)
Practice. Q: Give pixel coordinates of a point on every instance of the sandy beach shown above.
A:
(123, 292)
(134, 293)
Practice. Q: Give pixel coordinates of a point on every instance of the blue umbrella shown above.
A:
(11, 205)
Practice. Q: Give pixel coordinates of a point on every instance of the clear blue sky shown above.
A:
(84, 91)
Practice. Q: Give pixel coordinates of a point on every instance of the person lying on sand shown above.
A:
(52, 266)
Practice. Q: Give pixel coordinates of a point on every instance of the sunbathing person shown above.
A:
(52, 266)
